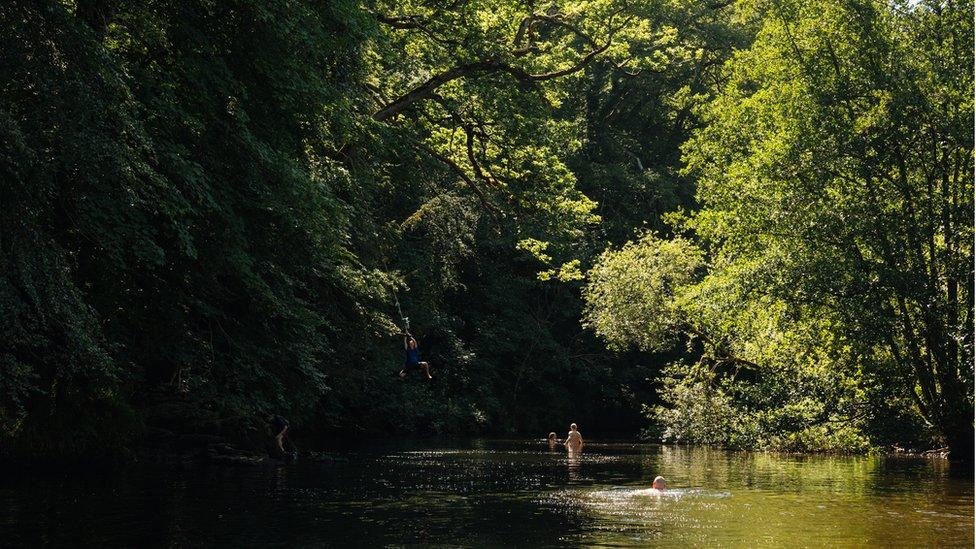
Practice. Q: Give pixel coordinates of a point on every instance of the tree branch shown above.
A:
(424, 91)
(464, 177)
(414, 22)
(584, 61)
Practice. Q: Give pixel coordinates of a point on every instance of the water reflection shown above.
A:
(490, 493)
(573, 461)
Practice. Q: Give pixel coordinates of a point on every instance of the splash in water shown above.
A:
(672, 493)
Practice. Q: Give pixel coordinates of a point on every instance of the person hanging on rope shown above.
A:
(413, 361)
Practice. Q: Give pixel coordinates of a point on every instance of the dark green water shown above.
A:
(497, 493)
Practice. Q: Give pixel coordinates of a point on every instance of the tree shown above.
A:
(632, 293)
(755, 374)
(477, 126)
(173, 220)
(835, 173)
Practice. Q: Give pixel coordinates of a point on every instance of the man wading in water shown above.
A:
(279, 430)
(574, 440)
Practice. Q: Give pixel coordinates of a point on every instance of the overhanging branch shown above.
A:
(464, 177)
(426, 89)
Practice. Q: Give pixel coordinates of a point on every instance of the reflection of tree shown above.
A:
(723, 498)
(724, 470)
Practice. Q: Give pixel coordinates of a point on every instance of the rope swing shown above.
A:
(403, 319)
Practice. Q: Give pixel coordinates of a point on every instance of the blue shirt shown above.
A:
(413, 355)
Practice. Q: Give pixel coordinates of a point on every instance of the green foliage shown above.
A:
(835, 179)
(173, 219)
(839, 158)
(631, 294)
(213, 211)
(213, 203)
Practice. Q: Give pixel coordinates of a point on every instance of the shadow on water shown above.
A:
(497, 492)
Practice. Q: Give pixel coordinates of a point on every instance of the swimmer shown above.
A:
(658, 486)
(552, 441)
(574, 440)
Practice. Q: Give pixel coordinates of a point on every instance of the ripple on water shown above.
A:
(624, 492)
(505, 493)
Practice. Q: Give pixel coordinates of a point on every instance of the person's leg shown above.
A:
(426, 368)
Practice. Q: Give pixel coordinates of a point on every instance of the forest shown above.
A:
(740, 223)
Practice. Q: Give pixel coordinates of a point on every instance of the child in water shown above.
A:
(574, 440)
(658, 486)
(552, 441)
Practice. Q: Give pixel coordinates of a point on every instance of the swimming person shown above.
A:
(413, 358)
(574, 440)
(659, 485)
(552, 441)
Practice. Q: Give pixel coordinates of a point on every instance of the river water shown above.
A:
(502, 493)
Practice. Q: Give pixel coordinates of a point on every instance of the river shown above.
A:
(502, 493)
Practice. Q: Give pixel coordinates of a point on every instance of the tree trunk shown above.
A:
(957, 421)
(959, 438)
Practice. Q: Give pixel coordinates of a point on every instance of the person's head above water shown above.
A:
(659, 484)
(572, 427)
(552, 436)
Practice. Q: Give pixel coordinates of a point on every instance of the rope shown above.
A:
(406, 321)
(403, 319)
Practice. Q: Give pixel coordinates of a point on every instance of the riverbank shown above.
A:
(187, 450)
(171, 430)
